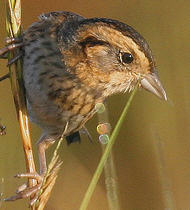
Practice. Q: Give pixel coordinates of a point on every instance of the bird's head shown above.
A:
(112, 56)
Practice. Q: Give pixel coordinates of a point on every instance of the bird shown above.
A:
(71, 63)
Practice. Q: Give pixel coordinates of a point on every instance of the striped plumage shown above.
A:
(71, 63)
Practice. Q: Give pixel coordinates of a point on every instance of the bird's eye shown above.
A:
(126, 58)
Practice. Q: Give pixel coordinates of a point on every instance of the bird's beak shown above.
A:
(152, 83)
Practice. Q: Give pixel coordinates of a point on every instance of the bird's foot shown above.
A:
(24, 191)
(11, 45)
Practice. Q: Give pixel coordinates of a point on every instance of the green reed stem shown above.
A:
(106, 153)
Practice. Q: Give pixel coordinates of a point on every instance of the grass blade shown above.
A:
(106, 153)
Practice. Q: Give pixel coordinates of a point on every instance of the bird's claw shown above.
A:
(8, 48)
(11, 45)
(35, 176)
(24, 191)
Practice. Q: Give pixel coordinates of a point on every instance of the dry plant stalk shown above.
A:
(48, 183)
(13, 22)
(111, 180)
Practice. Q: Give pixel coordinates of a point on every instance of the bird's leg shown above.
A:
(24, 191)
(43, 144)
(84, 130)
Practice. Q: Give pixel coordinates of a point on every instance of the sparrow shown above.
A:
(71, 63)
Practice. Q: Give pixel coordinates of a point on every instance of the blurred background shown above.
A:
(152, 152)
